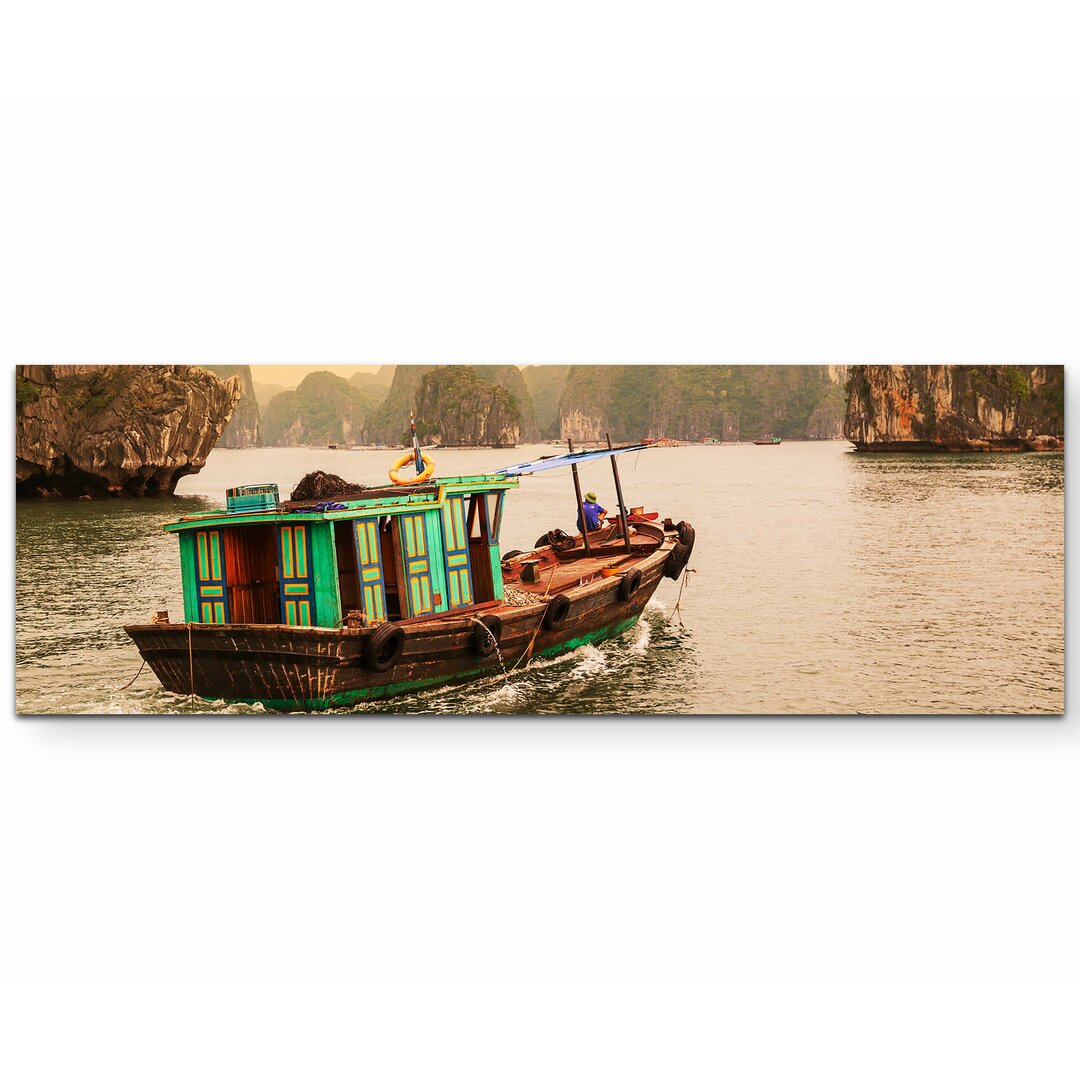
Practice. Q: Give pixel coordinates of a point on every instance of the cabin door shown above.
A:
(369, 563)
(416, 564)
(294, 566)
(210, 577)
(456, 543)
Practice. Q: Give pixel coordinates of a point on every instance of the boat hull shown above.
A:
(308, 668)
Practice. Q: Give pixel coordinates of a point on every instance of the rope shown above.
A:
(137, 674)
(678, 600)
(532, 640)
(191, 668)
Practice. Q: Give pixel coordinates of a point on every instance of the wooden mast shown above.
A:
(580, 504)
(618, 495)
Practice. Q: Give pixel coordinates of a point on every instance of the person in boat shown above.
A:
(594, 513)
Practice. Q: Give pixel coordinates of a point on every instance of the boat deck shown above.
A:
(557, 572)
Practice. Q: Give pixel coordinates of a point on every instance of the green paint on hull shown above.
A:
(374, 693)
(589, 639)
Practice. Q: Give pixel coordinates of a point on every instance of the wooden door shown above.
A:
(456, 544)
(369, 563)
(416, 564)
(294, 565)
(213, 604)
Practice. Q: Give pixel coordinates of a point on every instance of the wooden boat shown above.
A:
(768, 440)
(311, 605)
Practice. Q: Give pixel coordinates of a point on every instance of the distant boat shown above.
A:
(768, 440)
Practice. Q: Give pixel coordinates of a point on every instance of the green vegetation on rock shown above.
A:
(456, 404)
(457, 407)
(25, 391)
(323, 409)
(698, 401)
(584, 402)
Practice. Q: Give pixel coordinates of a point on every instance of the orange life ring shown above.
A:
(408, 459)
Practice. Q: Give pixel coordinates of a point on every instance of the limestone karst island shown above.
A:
(110, 430)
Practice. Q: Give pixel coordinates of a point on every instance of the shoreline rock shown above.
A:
(114, 429)
(953, 408)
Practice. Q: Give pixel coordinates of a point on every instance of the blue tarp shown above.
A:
(558, 461)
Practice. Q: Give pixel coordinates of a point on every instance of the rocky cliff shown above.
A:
(243, 428)
(545, 384)
(456, 407)
(374, 385)
(700, 401)
(323, 409)
(110, 429)
(391, 423)
(265, 393)
(955, 407)
(509, 377)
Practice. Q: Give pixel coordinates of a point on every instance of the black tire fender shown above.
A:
(510, 555)
(486, 634)
(629, 586)
(676, 561)
(384, 647)
(557, 611)
(686, 535)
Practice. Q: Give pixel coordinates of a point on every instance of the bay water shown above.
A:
(823, 581)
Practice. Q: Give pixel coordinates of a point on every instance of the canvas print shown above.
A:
(540, 540)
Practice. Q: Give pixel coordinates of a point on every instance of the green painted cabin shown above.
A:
(400, 553)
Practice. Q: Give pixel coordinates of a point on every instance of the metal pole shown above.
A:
(416, 446)
(580, 504)
(618, 495)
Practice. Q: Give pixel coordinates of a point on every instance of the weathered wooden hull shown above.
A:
(309, 668)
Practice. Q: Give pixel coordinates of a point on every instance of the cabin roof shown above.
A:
(390, 498)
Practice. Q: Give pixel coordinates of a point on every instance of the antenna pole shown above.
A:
(415, 445)
(580, 504)
(618, 495)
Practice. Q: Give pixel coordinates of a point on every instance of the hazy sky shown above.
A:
(291, 375)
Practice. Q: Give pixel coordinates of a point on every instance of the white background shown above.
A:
(587, 182)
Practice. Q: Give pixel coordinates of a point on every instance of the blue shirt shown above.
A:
(592, 515)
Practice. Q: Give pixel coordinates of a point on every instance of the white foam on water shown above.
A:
(590, 661)
(640, 638)
(655, 605)
(507, 693)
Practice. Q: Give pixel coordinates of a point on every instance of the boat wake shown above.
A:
(641, 636)
(589, 662)
(618, 675)
(611, 677)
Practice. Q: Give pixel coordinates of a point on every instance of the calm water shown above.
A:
(826, 582)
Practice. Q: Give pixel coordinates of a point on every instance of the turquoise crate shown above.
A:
(251, 497)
